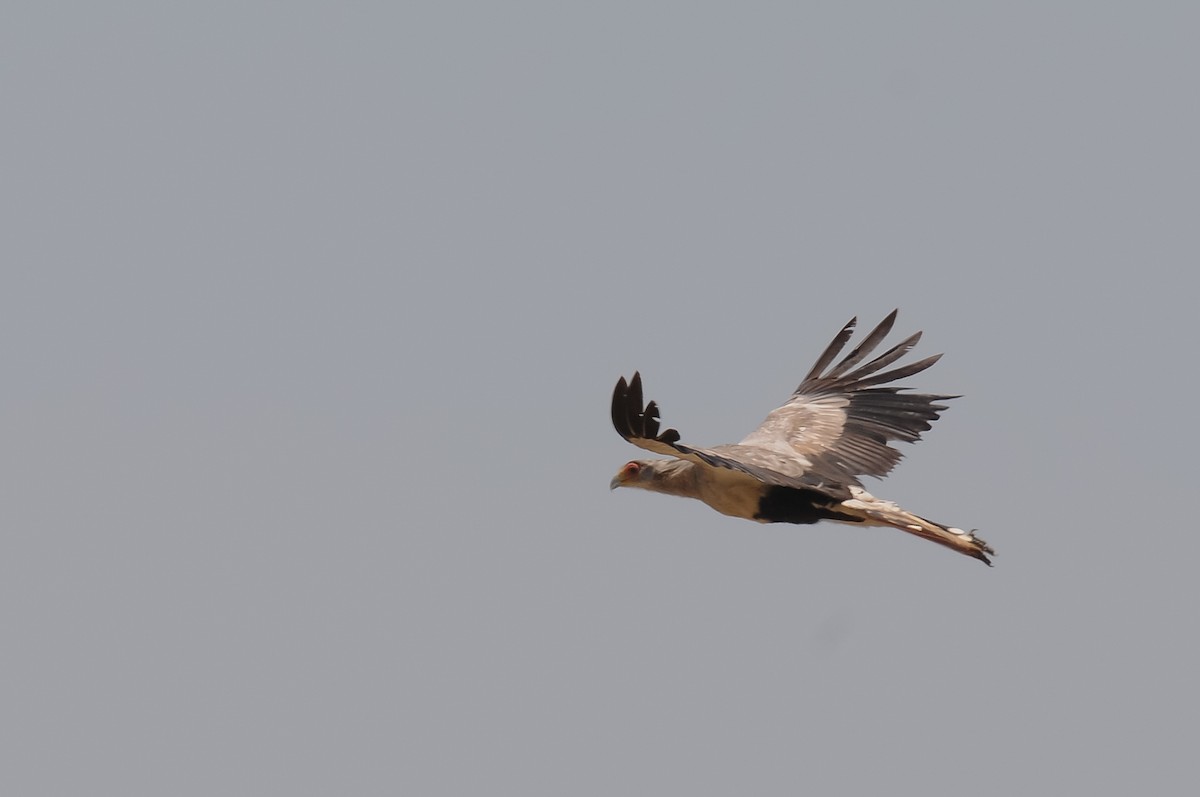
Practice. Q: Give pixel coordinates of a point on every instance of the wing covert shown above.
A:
(842, 419)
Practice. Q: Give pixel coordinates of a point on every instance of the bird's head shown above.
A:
(659, 475)
(636, 473)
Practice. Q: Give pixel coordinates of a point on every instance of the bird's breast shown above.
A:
(731, 493)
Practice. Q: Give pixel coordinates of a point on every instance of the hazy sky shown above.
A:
(309, 319)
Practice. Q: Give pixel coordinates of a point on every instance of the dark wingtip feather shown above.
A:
(633, 420)
(650, 420)
(832, 350)
(898, 373)
(634, 395)
(888, 357)
(868, 345)
(619, 420)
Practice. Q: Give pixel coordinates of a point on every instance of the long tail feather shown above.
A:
(878, 512)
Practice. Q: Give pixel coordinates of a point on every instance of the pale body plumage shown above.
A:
(727, 491)
(802, 463)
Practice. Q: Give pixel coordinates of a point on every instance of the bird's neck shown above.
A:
(679, 479)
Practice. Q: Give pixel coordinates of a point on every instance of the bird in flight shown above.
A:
(803, 463)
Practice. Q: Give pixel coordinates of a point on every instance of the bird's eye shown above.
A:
(632, 469)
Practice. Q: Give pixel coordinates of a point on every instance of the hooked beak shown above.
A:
(615, 483)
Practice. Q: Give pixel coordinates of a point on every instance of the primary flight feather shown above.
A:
(803, 463)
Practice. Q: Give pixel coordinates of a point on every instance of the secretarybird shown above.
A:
(802, 464)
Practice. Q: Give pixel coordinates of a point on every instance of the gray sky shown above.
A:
(310, 315)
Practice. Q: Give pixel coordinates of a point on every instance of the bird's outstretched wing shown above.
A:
(639, 424)
(840, 421)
